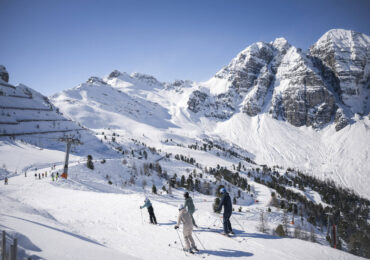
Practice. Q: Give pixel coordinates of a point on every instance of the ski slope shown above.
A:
(86, 218)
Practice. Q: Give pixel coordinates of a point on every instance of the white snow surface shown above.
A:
(85, 218)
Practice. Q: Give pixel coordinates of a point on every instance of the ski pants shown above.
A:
(153, 220)
(189, 241)
(192, 218)
(227, 224)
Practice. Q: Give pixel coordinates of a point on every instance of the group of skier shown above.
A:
(45, 175)
(185, 217)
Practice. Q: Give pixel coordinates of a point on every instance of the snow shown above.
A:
(84, 218)
(340, 156)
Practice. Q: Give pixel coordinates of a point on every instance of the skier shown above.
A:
(42, 175)
(185, 218)
(6, 181)
(148, 204)
(226, 202)
(57, 176)
(35, 176)
(39, 176)
(189, 205)
(52, 176)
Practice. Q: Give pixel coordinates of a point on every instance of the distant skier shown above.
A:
(228, 209)
(57, 176)
(6, 181)
(148, 204)
(42, 175)
(52, 176)
(46, 174)
(39, 176)
(185, 218)
(35, 176)
(189, 205)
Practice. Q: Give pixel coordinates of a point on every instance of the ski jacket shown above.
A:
(190, 205)
(226, 202)
(185, 218)
(147, 204)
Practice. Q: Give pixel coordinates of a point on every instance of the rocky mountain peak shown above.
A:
(96, 80)
(148, 79)
(281, 44)
(116, 74)
(346, 54)
(303, 88)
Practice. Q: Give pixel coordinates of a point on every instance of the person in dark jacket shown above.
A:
(228, 209)
(148, 204)
(190, 207)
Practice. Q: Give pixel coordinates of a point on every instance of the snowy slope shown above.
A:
(85, 218)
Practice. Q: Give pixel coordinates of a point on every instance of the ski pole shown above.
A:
(141, 213)
(238, 223)
(199, 241)
(183, 248)
(214, 222)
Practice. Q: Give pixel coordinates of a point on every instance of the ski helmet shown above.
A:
(222, 190)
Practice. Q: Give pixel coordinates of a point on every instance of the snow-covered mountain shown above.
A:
(240, 105)
(329, 82)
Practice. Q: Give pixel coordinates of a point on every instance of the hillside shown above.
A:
(240, 105)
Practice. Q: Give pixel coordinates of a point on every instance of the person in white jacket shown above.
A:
(185, 218)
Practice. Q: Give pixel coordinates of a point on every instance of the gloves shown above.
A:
(176, 227)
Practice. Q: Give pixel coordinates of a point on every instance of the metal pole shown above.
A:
(3, 246)
(15, 244)
(334, 237)
(11, 253)
(65, 170)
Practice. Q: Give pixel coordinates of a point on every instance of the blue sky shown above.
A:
(55, 45)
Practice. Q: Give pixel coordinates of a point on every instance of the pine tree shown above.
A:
(182, 181)
(154, 189)
(90, 163)
(280, 231)
(263, 222)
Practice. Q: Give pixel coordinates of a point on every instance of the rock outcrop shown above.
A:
(301, 88)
